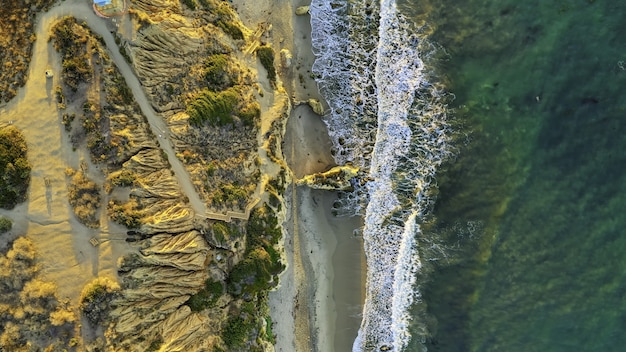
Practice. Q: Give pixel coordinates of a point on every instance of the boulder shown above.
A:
(302, 10)
(316, 106)
(285, 58)
(336, 179)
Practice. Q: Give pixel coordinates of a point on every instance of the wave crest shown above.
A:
(387, 118)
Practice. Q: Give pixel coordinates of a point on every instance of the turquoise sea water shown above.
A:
(540, 178)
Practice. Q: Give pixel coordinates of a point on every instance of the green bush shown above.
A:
(216, 71)
(206, 297)
(127, 214)
(255, 273)
(190, 4)
(96, 297)
(236, 331)
(14, 167)
(213, 107)
(5, 224)
(266, 55)
(76, 68)
(250, 114)
(84, 197)
(226, 21)
(123, 178)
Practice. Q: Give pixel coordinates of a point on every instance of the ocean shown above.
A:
(491, 138)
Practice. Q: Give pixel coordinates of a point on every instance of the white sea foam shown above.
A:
(374, 79)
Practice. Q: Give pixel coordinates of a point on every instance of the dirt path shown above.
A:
(62, 242)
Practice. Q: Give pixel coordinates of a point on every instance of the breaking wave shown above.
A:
(389, 118)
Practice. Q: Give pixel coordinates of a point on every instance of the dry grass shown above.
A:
(84, 197)
(16, 40)
(31, 314)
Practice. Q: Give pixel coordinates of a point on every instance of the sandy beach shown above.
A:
(318, 304)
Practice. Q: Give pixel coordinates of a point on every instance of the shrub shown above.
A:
(123, 178)
(254, 274)
(266, 56)
(214, 107)
(190, 4)
(84, 197)
(206, 297)
(127, 214)
(68, 42)
(226, 21)
(250, 114)
(96, 297)
(236, 331)
(5, 224)
(14, 167)
(216, 71)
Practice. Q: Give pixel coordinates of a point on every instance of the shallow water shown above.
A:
(540, 115)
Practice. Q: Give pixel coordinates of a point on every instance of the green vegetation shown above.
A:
(207, 296)
(236, 331)
(120, 92)
(190, 4)
(250, 114)
(213, 107)
(5, 224)
(84, 197)
(216, 73)
(223, 232)
(266, 55)
(269, 332)
(230, 195)
(67, 121)
(122, 178)
(127, 214)
(258, 270)
(29, 307)
(226, 21)
(69, 38)
(155, 345)
(96, 297)
(14, 167)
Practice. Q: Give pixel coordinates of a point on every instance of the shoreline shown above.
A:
(315, 307)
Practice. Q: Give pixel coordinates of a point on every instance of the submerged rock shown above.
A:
(336, 179)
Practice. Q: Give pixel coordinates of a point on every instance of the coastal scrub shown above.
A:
(14, 167)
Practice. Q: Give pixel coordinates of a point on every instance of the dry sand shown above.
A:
(318, 304)
(66, 256)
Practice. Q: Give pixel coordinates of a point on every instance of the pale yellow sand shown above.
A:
(66, 256)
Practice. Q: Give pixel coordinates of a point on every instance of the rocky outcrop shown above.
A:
(302, 10)
(336, 179)
(316, 105)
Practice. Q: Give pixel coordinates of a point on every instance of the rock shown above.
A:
(316, 106)
(285, 58)
(302, 10)
(336, 179)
